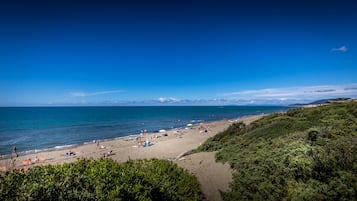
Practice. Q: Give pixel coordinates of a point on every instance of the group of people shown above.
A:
(32, 161)
(143, 143)
(146, 143)
(99, 146)
(70, 153)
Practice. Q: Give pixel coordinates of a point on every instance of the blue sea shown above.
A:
(33, 129)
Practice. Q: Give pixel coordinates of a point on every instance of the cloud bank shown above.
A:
(268, 96)
(297, 93)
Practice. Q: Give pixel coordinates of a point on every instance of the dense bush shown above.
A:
(303, 154)
(101, 180)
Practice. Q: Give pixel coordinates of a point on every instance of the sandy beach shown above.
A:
(212, 176)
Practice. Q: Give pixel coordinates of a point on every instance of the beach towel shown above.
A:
(26, 162)
(40, 159)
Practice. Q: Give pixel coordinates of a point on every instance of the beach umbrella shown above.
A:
(162, 131)
(189, 125)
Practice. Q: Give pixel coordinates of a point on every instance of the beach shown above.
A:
(212, 176)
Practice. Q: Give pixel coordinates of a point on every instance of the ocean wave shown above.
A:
(65, 146)
(196, 121)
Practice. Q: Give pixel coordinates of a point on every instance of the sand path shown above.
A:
(213, 177)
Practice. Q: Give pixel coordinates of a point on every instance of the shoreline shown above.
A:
(74, 146)
(169, 147)
(90, 150)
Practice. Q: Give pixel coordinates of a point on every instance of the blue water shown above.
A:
(41, 128)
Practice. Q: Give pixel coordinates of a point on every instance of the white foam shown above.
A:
(64, 146)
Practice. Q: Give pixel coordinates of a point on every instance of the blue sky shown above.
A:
(176, 52)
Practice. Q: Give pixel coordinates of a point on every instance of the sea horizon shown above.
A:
(155, 105)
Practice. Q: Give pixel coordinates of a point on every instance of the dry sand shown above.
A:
(214, 177)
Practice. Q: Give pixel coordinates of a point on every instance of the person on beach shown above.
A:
(36, 159)
(109, 153)
(14, 151)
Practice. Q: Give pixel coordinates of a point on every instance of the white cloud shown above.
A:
(83, 94)
(340, 49)
(170, 99)
(78, 94)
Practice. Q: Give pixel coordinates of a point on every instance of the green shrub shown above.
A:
(312, 134)
(101, 180)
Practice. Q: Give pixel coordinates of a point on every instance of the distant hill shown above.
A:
(321, 101)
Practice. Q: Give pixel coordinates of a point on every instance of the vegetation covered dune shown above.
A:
(303, 154)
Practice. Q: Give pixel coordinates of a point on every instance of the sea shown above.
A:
(36, 129)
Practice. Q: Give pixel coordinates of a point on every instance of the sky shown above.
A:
(55, 53)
